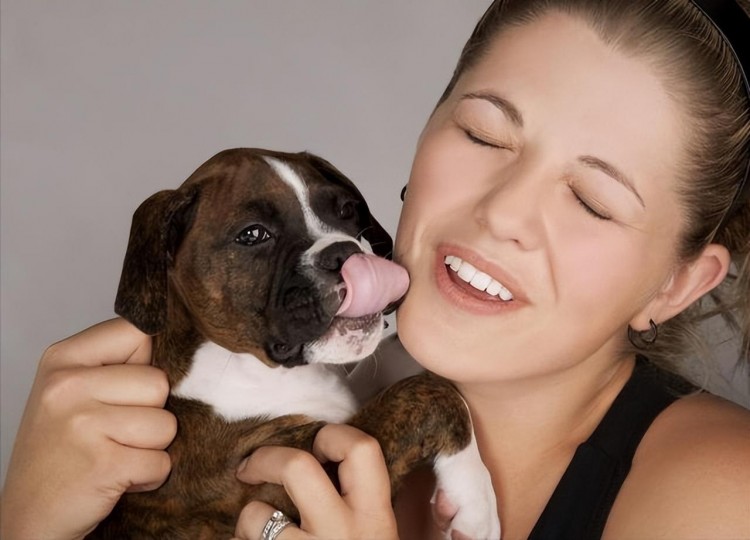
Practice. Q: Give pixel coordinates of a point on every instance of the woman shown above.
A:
(581, 181)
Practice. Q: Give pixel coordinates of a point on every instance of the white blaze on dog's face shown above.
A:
(258, 252)
(347, 339)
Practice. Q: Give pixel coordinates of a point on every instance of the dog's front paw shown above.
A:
(466, 484)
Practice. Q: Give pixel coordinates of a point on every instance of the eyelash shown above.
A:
(481, 142)
(590, 210)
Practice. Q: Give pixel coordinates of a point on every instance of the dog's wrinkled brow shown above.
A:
(261, 208)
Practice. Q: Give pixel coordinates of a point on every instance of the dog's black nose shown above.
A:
(333, 257)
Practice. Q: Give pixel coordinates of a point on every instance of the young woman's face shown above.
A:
(550, 172)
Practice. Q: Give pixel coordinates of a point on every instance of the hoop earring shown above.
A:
(644, 339)
(403, 193)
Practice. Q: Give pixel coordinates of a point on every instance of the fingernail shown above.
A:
(242, 466)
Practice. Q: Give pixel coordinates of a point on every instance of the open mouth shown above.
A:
(478, 280)
(348, 339)
(471, 287)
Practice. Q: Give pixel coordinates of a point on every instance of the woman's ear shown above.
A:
(687, 284)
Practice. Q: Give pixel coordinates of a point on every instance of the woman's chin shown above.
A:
(432, 347)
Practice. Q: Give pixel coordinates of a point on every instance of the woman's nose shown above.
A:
(512, 207)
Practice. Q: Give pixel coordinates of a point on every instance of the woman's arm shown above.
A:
(94, 427)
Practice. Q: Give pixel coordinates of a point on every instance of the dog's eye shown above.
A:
(253, 235)
(348, 210)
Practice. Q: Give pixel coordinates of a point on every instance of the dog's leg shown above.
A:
(422, 420)
(466, 483)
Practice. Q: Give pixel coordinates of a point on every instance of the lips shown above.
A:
(475, 284)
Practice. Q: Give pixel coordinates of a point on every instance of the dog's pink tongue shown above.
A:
(371, 284)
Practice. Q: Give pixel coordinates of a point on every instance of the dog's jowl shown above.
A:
(245, 275)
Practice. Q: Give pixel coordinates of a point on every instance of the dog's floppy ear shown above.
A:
(159, 225)
(373, 231)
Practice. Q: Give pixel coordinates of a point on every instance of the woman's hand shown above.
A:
(94, 427)
(362, 510)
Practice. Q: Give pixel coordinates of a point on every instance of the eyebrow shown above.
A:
(613, 172)
(504, 105)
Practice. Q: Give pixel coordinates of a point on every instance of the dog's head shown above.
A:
(249, 251)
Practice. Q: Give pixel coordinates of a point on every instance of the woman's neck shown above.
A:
(549, 409)
(528, 430)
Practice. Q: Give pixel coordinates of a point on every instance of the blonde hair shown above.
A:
(701, 73)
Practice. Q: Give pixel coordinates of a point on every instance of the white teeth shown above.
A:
(493, 288)
(505, 294)
(467, 272)
(454, 263)
(478, 280)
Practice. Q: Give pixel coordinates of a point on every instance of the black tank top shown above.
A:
(580, 505)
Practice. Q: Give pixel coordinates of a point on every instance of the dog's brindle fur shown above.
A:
(187, 281)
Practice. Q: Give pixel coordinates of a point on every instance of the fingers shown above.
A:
(362, 472)
(67, 392)
(136, 427)
(147, 470)
(112, 418)
(125, 385)
(253, 519)
(302, 476)
(111, 342)
(362, 510)
(118, 448)
(114, 447)
(93, 427)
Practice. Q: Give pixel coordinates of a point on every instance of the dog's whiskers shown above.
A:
(363, 231)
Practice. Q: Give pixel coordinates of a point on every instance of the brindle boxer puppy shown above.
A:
(237, 275)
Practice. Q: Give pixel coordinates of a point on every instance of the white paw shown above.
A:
(466, 483)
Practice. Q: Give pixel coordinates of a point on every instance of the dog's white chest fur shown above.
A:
(240, 386)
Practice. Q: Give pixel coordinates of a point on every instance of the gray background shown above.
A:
(103, 103)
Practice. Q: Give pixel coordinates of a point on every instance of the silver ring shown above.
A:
(275, 524)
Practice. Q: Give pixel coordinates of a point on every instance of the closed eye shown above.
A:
(482, 142)
(590, 210)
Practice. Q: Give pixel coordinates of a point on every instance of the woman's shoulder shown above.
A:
(690, 476)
